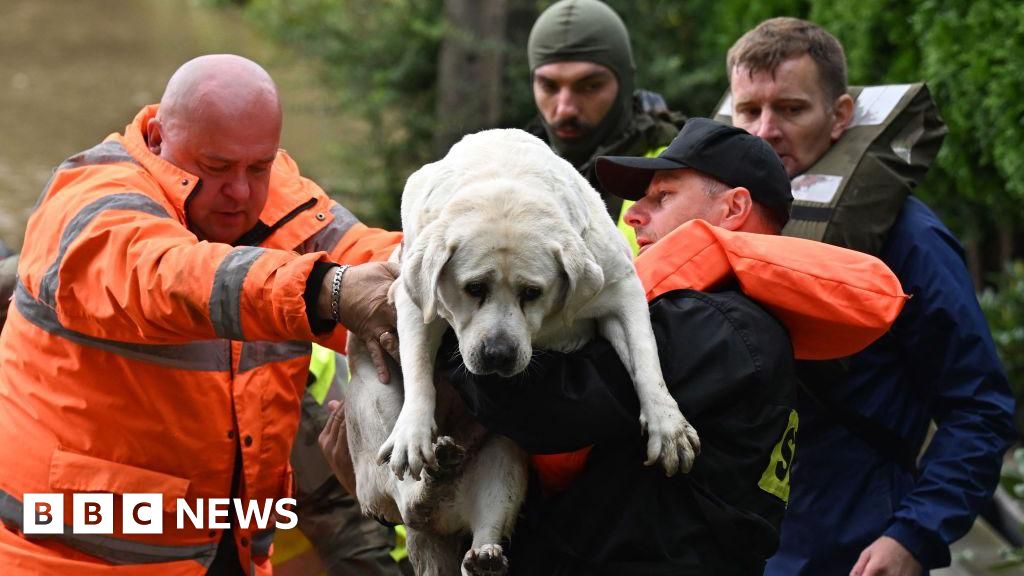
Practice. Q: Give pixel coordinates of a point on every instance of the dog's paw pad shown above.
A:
(448, 457)
(487, 560)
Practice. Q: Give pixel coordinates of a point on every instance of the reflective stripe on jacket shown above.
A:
(137, 359)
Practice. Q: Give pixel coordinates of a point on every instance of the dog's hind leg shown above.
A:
(371, 409)
(432, 554)
(492, 490)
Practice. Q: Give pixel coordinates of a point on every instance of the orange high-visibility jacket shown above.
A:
(138, 359)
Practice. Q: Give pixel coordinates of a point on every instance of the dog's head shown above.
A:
(498, 264)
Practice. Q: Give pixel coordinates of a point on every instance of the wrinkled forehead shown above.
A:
(796, 78)
(239, 138)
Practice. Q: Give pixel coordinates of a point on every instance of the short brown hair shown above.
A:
(776, 40)
(774, 217)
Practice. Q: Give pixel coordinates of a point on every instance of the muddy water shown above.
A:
(73, 71)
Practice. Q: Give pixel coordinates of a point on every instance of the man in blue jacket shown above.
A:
(861, 502)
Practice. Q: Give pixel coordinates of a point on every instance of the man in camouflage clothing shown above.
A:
(582, 70)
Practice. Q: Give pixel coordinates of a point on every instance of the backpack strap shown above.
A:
(853, 194)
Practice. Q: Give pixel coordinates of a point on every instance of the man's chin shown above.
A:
(792, 166)
(224, 232)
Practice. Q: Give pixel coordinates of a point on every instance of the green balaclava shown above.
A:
(585, 31)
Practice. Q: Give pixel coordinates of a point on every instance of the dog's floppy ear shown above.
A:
(422, 266)
(584, 277)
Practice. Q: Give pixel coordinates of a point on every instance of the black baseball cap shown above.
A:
(726, 153)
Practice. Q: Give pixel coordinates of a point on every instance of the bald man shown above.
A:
(158, 340)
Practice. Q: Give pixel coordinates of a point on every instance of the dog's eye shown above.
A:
(530, 293)
(476, 289)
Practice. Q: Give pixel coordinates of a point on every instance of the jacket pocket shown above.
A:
(81, 473)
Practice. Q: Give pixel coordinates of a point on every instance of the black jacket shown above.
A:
(729, 365)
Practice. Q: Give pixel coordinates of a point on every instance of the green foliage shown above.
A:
(972, 54)
(1012, 481)
(1004, 308)
(380, 58)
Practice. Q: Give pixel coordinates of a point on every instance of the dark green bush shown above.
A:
(1004, 307)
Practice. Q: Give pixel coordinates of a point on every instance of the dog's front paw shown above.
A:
(671, 441)
(487, 560)
(409, 447)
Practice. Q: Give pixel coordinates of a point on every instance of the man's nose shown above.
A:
(238, 186)
(636, 215)
(768, 127)
(565, 105)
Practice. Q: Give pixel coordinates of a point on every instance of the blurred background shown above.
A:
(373, 90)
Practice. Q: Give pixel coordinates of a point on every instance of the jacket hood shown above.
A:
(586, 31)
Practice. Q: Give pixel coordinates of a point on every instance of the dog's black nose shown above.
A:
(499, 353)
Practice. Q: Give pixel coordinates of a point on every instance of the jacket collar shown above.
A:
(834, 302)
(177, 184)
(688, 257)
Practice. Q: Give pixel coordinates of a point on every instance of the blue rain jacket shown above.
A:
(937, 363)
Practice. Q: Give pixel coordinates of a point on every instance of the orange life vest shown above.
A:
(138, 359)
(834, 302)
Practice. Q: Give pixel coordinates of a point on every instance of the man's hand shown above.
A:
(886, 557)
(334, 443)
(364, 309)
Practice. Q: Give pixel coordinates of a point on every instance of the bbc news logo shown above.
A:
(93, 513)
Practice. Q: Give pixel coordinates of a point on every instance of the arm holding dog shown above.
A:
(573, 400)
(728, 365)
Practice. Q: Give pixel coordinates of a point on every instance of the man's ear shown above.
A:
(154, 135)
(584, 278)
(423, 264)
(842, 111)
(737, 207)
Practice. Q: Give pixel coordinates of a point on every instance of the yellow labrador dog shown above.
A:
(506, 243)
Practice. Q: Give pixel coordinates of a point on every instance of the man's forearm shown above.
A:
(568, 401)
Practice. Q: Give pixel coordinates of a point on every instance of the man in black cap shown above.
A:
(727, 362)
(582, 70)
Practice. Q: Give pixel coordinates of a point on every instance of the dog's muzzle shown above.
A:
(499, 354)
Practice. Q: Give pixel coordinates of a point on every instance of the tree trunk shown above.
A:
(469, 87)
(972, 252)
(1006, 241)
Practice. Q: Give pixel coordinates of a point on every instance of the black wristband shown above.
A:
(311, 295)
